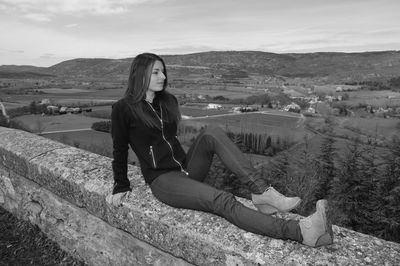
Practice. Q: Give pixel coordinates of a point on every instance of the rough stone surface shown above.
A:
(76, 230)
(85, 179)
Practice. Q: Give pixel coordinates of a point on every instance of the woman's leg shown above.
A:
(214, 140)
(177, 190)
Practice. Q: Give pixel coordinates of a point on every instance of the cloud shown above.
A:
(48, 55)
(184, 49)
(38, 17)
(12, 51)
(71, 25)
(80, 7)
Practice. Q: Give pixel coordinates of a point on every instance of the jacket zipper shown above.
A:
(169, 144)
(152, 157)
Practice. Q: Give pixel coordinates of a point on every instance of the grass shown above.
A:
(195, 112)
(385, 128)
(270, 124)
(22, 243)
(56, 122)
(104, 112)
(373, 98)
(90, 140)
(363, 128)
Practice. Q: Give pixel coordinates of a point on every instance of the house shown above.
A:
(236, 109)
(75, 110)
(51, 109)
(329, 98)
(63, 110)
(293, 107)
(45, 101)
(311, 110)
(213, 106)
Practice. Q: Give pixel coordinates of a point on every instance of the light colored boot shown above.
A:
(271, 201)
(316, 229)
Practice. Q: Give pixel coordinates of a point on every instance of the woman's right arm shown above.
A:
(120, 136)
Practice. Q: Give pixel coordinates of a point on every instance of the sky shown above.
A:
(47, 32)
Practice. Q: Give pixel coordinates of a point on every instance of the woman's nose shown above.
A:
(162, 75)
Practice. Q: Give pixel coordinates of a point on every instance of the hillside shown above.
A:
(337, 67)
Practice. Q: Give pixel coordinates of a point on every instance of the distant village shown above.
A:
(311, 104)
(313, 101)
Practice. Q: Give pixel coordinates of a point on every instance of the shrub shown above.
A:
(103, 126)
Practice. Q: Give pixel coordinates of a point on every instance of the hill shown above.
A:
(333, 67)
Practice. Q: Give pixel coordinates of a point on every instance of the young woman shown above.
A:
(146, 118)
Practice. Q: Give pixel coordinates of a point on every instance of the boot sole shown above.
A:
(327, 238)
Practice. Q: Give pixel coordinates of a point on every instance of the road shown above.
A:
(63, 131)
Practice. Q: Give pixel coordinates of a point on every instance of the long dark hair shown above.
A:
(138, 84)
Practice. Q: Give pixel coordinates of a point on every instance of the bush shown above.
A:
(103, 126)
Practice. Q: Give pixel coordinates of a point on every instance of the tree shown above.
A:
(366, 194)
(389, 191)
(345, 96)
(326, 165)
(343, 186)
(304, 179)
(33, 108)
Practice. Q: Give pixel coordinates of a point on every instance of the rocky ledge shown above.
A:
(63, 190)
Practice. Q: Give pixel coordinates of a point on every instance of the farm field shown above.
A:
(56, 122)
(74, 96)
(212, 91)
(363, 128)
(373, 98)
(331, 88)
(195, 112)
(384, 128)
(62, 91)
(94, 141)
(105, 111)
(270, 124)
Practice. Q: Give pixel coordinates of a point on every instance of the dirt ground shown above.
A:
(24, 244)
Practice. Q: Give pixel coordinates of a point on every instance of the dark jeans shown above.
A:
(189, 192)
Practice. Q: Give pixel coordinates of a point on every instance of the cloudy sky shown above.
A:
(46, 32)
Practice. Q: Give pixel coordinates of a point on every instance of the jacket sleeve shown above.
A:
(120, 137)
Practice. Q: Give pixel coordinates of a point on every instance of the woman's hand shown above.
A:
(116, 199)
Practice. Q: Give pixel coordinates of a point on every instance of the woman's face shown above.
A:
(157, 77)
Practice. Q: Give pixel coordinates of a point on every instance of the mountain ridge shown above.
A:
(335, 65)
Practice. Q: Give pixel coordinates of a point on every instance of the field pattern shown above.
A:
(195, 112)
(273, 125)
(56, 123)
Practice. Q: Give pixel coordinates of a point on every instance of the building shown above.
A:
(214, 106)
(293, 107)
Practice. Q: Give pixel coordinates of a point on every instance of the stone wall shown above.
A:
(63, 189)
